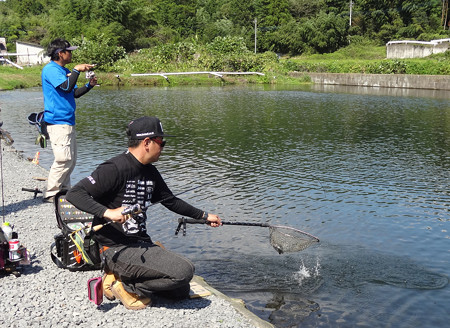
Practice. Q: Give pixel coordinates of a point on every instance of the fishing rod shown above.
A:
(12, 252)
(136, 208)
(1, 170)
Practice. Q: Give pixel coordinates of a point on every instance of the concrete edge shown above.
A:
(238, 304)
(405, 81)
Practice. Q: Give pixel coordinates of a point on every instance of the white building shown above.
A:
(416, 49)
(30, 54)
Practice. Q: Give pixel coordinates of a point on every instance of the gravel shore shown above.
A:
(47, 296)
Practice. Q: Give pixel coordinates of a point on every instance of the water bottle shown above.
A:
(7, 230)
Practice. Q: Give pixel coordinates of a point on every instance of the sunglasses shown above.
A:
(160, 142)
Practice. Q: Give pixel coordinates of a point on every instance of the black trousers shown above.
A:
(145, 269)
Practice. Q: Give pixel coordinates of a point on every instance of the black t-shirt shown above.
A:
(124, 181)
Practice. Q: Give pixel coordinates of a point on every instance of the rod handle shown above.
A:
(99, 226)
(134, 209)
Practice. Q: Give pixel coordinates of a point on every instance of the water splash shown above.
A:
(304, 273)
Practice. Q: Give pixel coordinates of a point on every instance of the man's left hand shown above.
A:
(93, 81)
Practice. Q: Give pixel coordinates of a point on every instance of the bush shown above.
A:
(100, 51)
(227, 45)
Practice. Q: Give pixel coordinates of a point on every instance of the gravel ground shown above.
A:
(47, 296)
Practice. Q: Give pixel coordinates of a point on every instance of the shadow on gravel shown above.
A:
(32, 268)
(195, 303)
(22, 205)
(105, 307)
(157, 302)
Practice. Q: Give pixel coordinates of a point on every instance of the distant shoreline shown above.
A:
(30, 77)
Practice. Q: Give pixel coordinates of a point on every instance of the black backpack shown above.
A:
(75, 247)
(37, 119)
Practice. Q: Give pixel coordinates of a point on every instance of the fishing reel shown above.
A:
(90, 75)
(132, 210)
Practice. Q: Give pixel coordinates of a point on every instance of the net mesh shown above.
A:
(287, 240)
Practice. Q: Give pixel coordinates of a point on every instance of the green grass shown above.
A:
(368, 59)
(359, 52)
(15, 78)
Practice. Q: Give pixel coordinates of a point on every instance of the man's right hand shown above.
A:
(84, 67)
(116, 215)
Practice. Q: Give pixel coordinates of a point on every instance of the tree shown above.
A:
(305, 8)
(325, 33)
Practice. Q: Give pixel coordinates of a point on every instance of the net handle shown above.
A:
(201, 221)
(183, 221)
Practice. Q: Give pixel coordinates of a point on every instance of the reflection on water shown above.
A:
(364, 169)
(331, 284)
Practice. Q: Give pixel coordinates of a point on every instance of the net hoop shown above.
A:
(287, 240)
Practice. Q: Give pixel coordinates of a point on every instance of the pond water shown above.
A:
(367, 170)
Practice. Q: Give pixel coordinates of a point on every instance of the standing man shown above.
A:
(60, 90)
(136, 267)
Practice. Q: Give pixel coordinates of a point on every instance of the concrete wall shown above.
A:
(431, 82)
(416, 49)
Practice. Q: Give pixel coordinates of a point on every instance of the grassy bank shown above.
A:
(369, 59)
(366, 59)
(14, 78)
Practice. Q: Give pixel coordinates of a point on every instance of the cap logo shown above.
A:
(145, 134)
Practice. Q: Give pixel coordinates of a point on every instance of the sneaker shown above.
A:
(130, 300)
(107, 281)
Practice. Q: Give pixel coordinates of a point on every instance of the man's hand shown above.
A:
(93, 81)
(214, 220)
(84, 67)
(115, 215)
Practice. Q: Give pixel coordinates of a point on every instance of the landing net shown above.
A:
(288, 240)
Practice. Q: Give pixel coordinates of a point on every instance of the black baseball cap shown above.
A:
(58, 45)
(146, 126)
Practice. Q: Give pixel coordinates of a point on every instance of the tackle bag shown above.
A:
(37, 119)
(11, 259)
(74, 248)
(4, 250)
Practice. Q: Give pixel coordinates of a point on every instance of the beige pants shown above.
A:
(64, 146)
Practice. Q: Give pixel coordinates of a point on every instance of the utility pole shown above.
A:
(255, 33)
(444, 13)
(351, 6)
